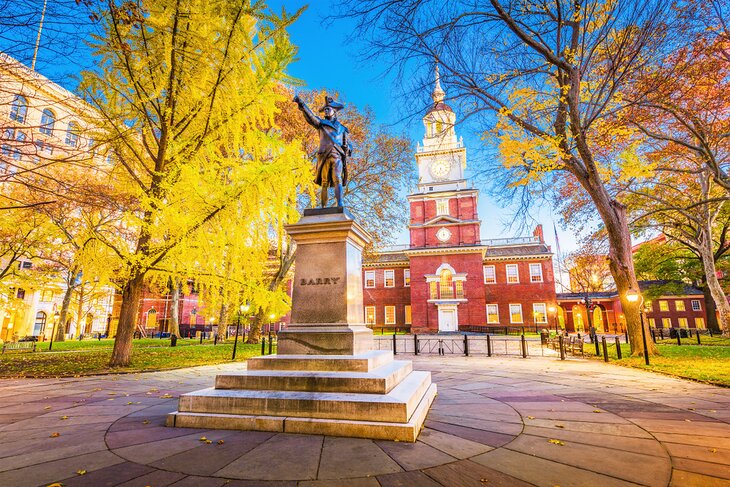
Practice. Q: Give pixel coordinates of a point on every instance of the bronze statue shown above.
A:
(333, 151)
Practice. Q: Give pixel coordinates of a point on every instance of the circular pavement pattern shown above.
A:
(495, 422)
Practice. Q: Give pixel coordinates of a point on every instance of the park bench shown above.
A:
(576, 346)
(19, 346)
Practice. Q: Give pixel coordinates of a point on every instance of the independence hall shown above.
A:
(447, 278)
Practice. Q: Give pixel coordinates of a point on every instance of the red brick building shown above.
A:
(447, 278)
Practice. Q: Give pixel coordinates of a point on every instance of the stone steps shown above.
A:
(363, 362)
(373, 429)
(380, 381)
(397, 406)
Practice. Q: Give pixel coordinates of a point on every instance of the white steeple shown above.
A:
(438, 93)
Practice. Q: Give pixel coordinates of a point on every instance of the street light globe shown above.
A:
(56, 315)
(632, 296)
(552, 309)
(212, 320)
(272, 316)
(245, 308)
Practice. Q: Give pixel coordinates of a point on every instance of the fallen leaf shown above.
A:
(55, 435)
(146, 421)
(691, 409)
(220, 442)
(559, 426)
(112, 394)
(64, 417)
(556, 442)
(165, 396)
(81, 472)
(531, 417)
(47, 407)
(713, 450)
(203, 438)
(597, 411)
(208, 442)
(55, 484)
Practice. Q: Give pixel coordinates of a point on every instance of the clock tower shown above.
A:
(446, 256)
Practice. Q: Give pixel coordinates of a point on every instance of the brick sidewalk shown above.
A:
(496, 422)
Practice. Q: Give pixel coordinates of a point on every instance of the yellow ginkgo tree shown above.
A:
(185, 99)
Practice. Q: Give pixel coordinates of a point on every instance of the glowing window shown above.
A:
(406, 277)
(390, 315)
(515, 313)
(369, 279)
(369, 315)
(492, 313)
(389, 277)
(446, 287)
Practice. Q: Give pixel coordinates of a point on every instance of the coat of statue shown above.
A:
(334, 149)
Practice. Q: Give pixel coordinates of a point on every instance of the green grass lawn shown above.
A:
(90, 357)
(706, 363)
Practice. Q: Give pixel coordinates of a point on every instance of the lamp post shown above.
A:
(242, 309)
(554, 311)
(590, 306)
(53, 330)
(633, 297)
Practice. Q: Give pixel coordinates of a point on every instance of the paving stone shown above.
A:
(452, 445)
(155, 450)
(272, 460)
(197, 481)
(207, 458)
(406, 479)
(633, 467)
(356, 482)
(708, 441)
(119, 439)
(704, 468)
(680, 478)
(354, 457)
(58, 470)
(637, 445)
(477, 435)
(109, 476)
(49, 453)
(709, 454)
(465, 473)
(415, 456)
(541, 472)
(158, 478)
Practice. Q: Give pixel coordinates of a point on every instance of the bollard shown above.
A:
(263, 345)
(201, 337)
(271, 344)
(215, 339)
(627, 335)
(618, 348)
(489, 346)
(605, 349)
(653, 334)
(690, 332)
(710, 332)
(698, 337)
(562, 347)
(661, 333)
(441, 347)
(524, 346)
(415, 343)
(679, 337)
(466, 345)
(598, 351)
(395, 351)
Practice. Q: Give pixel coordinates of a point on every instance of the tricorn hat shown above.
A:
(330, 102)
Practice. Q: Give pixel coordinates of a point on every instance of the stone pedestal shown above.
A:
(326, 379)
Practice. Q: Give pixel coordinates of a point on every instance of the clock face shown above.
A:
(440, 168)
(443, 234)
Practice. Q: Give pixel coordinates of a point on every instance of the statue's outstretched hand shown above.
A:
(297, 100)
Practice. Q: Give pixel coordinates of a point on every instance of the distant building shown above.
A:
(447, 278)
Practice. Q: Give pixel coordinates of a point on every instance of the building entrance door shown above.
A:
(447, 319)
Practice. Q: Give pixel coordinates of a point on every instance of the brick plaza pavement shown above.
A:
(495, 422)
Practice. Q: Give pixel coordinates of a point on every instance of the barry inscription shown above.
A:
(320, 281)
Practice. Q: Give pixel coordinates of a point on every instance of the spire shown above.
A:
(438, 93)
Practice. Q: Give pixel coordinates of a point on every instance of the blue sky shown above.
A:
(328, 57)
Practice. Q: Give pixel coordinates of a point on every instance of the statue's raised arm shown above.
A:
(334, 148)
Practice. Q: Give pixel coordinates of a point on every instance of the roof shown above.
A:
(669, 288)
(516, 251)
(440, 106)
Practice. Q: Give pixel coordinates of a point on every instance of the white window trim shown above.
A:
(408, 320)
(375, 319)
(496, 312)
(699, 306)
(440, 204)
(660, 305)
(522, 317)
(494, 274)
(385, 314)
(538, 266)
(544, 312)
(406, 282)
(385, 277)
(517, 273)
(369, 273)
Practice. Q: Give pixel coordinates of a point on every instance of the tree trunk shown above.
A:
(254, 336)
(621, 261)
(223, 322)
(131, 292)
(80, 322)
(718, 295)
(61, 325)
(710, 309)
(175, 312)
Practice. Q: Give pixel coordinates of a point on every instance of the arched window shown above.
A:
(72, 134)
(439, 127)
(48, 120)
(446, 287)
(151, 318)
(578, 323)
(19, 109)
(39, 327)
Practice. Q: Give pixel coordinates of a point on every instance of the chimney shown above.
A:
(538, 233)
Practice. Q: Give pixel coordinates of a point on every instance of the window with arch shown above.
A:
(19, 109)
(72, 134)
(446, 284)
(439, 127)
(39, 327)
(48, 120)
(152, 318)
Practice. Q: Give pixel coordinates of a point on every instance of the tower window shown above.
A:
(442, 207)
